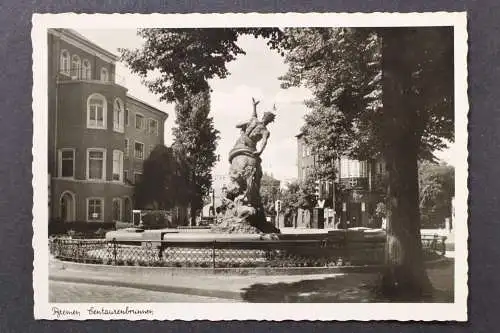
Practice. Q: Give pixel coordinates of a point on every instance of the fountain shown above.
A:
(244, 211)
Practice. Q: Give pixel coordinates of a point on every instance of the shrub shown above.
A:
(156, 219)
(83, 228)
(100, 233)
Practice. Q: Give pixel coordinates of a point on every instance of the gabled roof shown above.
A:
(77, 39)
(147, 106)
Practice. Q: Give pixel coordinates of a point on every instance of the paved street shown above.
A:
(62, 292)
(339, 288)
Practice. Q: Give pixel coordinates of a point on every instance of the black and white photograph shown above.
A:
(297, 166)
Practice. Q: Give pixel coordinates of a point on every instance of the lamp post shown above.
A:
(213, 201)
(213, 191)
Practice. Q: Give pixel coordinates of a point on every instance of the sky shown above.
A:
(252, 75)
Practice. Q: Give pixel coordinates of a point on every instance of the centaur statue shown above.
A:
(245, 213)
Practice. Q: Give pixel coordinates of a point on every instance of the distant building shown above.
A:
(355, 192)
(98, 135)
(306, 161)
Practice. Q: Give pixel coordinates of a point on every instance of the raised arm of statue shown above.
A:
(244, 125)
(254, 103)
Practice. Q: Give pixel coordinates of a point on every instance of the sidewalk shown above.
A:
(351, 287)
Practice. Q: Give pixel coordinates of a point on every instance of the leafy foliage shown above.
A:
(165, 181)
(343, 68)
(269, 191)
(299, 195)
(437, 187)
(177, 63)
(384, 91)
(196, 136)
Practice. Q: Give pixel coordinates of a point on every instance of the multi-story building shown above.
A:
(354, 193)
(98, 135)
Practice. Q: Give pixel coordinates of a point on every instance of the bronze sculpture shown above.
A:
(245, 212)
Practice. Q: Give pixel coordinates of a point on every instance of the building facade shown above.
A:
(98, 135)
(356, 191)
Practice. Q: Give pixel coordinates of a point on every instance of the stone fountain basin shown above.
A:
(211, 236)
(137, 235)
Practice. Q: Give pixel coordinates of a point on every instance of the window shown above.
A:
(126, 148)
(125, 175)
(126, 117)
(139, 150)
(86, 70)
(139, 121)
(96, 164)
(117, 165)
(117, 209)
(95, 209)
(104, 75)
(67, 163)
(153, 126)
(64, 66)
(137, 177)
(118, 114)
(96, 111)
(75, 67)
(353, 168)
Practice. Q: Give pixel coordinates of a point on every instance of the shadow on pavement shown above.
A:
(347, 288)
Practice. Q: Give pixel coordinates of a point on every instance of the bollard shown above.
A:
(114, 250)
(213, 255)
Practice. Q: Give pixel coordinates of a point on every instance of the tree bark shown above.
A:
(405, 278)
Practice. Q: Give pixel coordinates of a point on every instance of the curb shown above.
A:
(255, 271)
(196, 271)
(216, 293)
(232, 295)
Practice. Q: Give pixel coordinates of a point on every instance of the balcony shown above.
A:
(357, 183)
(79, 74)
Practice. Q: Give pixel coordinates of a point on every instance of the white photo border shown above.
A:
(456, 311)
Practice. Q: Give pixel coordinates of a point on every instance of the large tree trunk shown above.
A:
(405, 278)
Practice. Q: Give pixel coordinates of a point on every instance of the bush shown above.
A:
(82, 229)
(156, 219)
(100, 233)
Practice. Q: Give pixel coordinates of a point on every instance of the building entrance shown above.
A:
(354, 215)
(67, 207)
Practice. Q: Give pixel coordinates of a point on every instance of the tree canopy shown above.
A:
(176, 63)
(165, 182)
(379, 92)
(197, 137)
(299, 195)
(343, 67)
(437, 188)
